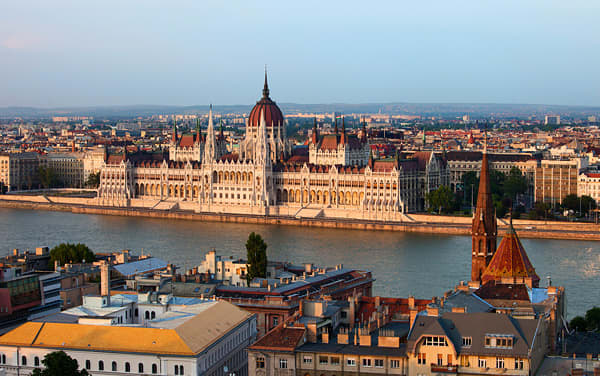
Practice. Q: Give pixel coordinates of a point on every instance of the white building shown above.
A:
(588, 183)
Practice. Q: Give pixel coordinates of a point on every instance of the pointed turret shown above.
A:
(266, 86)
(363, 136)
(209, 147)
(175, 130)
(484, 227)
(315, 135)
(198, 131)
(510, 262)
(221, 135)
(336, 127)
(343, 139)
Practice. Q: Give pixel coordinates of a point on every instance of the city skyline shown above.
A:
(69, 54)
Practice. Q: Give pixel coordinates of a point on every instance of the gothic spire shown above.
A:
(315, 136)
(209, 146)
(266, 86)
(198, 130)
(343, 138)
(336, 128)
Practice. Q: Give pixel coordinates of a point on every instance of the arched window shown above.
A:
(181, 370)
(114, 366)
(3, 359)
(147, 315)
(153, 315)
(136, 312)
(36, 361)
(141, 367)
(176, 369)
(127, 367)
(23, 360)
(101, 365)
(154, 368)
(88, 364)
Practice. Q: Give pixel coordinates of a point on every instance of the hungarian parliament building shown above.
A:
(337, 178)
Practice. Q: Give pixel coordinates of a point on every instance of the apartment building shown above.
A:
(19, 171)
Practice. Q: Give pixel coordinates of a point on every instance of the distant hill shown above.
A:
(425, 109)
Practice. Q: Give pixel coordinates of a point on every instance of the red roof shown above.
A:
(272, 113)
(510, 261)
(281, 338)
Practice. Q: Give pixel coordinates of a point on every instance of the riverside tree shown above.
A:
(442, 199)
(71, 253)
(256, 249)
(58, 363)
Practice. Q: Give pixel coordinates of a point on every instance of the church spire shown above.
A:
(198, 130)
(484, 227)
(209, 147)
(343, 138)
(336, 127)
(174, 129)
(315, 136)
(266, 86)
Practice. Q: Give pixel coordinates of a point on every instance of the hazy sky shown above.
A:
(76, 53)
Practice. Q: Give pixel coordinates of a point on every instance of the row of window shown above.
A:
(334, 361)
(178, 369)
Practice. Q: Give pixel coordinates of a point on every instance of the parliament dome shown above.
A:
(272, 113)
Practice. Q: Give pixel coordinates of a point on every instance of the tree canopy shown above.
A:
(591, 321)
(256, 249)
(575, 203)
(441, 199)
(58, 363)
(93, 181)
(48, 177)
(71, 253)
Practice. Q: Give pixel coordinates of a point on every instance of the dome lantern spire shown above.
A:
(266, 86)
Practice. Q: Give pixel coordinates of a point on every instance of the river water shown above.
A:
(403, 264)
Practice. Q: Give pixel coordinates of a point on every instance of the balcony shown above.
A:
(444, 369)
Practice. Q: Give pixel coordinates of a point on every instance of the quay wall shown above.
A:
(417, 223)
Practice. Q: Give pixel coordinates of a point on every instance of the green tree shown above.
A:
(578, 323)
(592, 318)
(3, 188)
(571, 202)
(93, 181)
(256, 249)
(587, 204)
(541, 210)
(441, 199)
(58, 363)
(515, 183)
(47, 177)
(470, 181)
(71, 253)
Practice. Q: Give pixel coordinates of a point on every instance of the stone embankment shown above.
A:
(419, 223)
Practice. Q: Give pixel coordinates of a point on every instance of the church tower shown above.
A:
(484, 228)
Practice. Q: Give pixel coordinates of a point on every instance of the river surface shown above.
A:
(403, 264)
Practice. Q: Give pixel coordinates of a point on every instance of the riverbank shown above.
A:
(417, 223)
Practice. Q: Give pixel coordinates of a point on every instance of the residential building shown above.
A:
(19, 171)
(555, 179)
(475, 343)
(588, 184)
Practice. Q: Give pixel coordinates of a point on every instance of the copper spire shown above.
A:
(343, 138)
(484, 226)
(266, 87)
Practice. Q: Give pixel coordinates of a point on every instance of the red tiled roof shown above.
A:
(281, 338)
(510, 261)
(186, 141)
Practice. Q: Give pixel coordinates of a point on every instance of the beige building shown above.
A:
(68, 168)
(19, 171)
(476, 344)
(588, 184)
(555, 179)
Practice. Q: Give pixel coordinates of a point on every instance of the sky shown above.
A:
(91, 53)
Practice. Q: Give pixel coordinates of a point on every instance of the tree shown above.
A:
(71, 253)
(515, 183)
(578, 323)
(540, 210)
(47, 177)
(93, 181)
(571, 202)
(3, 188)
(470, 181)
(256, 249)
(587, 204)
(58, 363)
(441, 199)
(592, 318)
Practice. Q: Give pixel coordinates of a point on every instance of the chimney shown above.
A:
(377, 301)
(105, 281)
(411, 302)
(413, 316)
(16, 252)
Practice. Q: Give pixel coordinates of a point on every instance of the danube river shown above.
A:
(403, 264)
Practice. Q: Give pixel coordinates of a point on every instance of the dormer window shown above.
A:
(501, 341)
(435, 341)
(467, 341)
